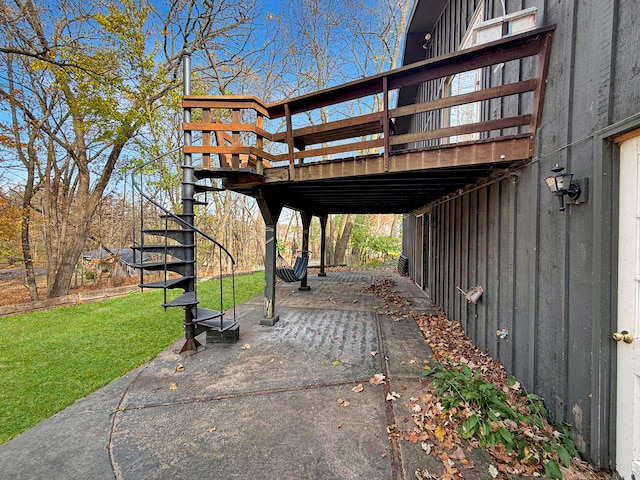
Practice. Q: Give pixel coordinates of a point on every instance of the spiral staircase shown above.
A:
(166, 255)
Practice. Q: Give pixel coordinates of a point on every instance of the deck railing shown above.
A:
(233, 127)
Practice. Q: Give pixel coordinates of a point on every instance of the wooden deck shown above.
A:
(368, 144)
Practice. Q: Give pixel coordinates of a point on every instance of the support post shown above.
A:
(306, 223)
(323, 244)
(385, 121)
(290, 142)
(188, 190)
(270, 209)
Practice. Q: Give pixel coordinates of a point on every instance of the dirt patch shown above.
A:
(13, 291)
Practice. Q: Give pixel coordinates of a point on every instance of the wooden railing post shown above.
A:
(235, 139)
(292, 158)
(542, 67)
(206, 139)
(385, 120)
(259, 143)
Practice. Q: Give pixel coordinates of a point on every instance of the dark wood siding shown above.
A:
(548, 276)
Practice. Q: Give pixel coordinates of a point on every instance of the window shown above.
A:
(464, 82)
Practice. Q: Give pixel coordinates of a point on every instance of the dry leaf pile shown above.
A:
(440, 430)
(394, 303)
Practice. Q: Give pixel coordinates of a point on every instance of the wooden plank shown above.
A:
(228, 150)
(336, 130)
(219, 102)
(497, 124)
(493, 287)
(472, 331)
(503, 50)
(482, 268)
(480, 95)
(349, 147)
(504, 150)
(226, 127)
(465, 220)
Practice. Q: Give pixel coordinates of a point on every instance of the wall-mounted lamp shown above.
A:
(560, 185)
(427, 39)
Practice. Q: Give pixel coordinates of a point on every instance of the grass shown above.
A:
(50, 359)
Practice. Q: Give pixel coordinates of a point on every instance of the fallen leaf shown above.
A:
(374, 353)
(493, 471)
(211, 430)
(458, 454)
(468, 464)
(246, 346)
(377, 379)
(341, 424)
(173, 386)
(440, 433)
(335, 363)
(180, 368)
(358, 388)
(416, 408)
(393, 395)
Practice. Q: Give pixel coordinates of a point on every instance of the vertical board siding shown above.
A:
(548, 276)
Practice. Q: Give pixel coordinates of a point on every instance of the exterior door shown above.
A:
(628, 331)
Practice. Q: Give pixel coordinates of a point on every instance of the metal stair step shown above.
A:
(206, 188)
(168, 283)
(177, 234)
(185, 300)
(172, 266)
(157, 248)
(206, 314)
(183, 216)
(217, 325)
(223, 173)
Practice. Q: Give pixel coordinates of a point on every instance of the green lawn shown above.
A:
(52, 358)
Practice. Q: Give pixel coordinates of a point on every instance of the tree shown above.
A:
(81, 80)
(329, 42)
(9, 230)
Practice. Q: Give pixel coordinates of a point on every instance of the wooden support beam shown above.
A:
(499, 150)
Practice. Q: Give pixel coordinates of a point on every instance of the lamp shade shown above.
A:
(559, 182)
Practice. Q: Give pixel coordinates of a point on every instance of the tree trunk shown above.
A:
(342, 241)
(27, 259)
(62, 258)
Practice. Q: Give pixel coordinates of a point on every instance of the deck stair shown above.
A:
(166, 254)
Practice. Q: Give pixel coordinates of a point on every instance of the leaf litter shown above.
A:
(445, 433)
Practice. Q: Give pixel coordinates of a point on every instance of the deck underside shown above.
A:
(372, 184)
